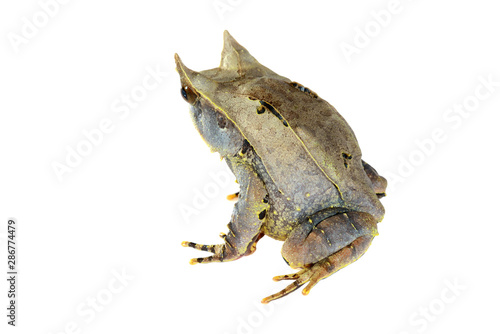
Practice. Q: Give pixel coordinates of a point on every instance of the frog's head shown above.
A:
(220, 134)
(211, 92)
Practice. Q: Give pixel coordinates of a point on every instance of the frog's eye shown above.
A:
(184, 94)
(188, 94)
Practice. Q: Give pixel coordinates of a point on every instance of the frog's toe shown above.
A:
(315, 278)
(288, 276)
(233, 197)
(207, 248)
(202, 260)
(289, 289)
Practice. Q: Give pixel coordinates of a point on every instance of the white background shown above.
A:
(119, 209)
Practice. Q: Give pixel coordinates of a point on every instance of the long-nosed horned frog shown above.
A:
(298, 164)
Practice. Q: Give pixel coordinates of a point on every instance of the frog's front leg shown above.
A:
(322, 249)
(246, 221)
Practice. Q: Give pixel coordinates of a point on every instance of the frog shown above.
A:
(298, 165)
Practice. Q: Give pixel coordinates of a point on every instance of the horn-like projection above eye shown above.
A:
(192, 80)
(235, 58)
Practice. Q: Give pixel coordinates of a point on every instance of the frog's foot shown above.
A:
(226, 251)
(322, 269)
(301, 278)
(220, 253)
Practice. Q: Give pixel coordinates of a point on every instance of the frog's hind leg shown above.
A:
(379, 183)
(324, 249)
